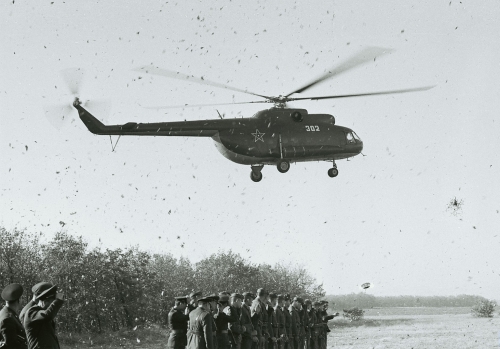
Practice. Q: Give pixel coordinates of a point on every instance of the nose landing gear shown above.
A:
(256, 173)
(333, 172)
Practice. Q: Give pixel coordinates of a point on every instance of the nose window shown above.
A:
(356, 137)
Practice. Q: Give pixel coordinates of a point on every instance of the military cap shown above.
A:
(262, 292)
(286, 296)
(181, 299)
(237, 295)
(307, 301)
(273, 295)
(323, 302)
(281, 297)
(223, 298)
(12, 292)
(213, 298)
(317, 303)
(248, 295)
(224, 293)
(44, 290)
(195, 294)
(298, 299)
(205, 299)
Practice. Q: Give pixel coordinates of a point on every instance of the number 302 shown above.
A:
(312, 128)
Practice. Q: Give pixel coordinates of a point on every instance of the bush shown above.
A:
(484, 309)
(353, 314)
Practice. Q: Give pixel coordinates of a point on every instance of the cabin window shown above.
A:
(350, 138)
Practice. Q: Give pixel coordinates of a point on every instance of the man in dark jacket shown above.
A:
(288, 322)
(39, 315)
(224, 315)
(200, 333)
(236, 329)
(250, 335)
(294, 310)
(12, 331)
(177, 321)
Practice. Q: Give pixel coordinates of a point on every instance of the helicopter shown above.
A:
(277, 136)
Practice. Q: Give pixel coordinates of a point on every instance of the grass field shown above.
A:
(382, 328)
(395, 328)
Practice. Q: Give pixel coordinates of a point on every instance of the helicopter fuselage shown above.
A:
(267, 137)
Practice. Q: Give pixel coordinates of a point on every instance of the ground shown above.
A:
(391, 328)
(382, 328)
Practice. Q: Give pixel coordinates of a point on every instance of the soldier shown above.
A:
(249, 336)
(224, 315)
(280, 322)
(294, 310)
(313, 335)
(306, 322)
(236, 329)
(302, 332)
(288, 322)
(259, 317)
(193, 301)
(325, 318)
(213, 310)
(39, 315)
(12, 331)
(272, 322)
(200, 333)
(177, 321)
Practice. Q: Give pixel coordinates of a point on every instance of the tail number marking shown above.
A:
(312, 128)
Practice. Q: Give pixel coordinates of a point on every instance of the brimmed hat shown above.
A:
(237, 295)
(12, 292)
(248, 295)
(307, 301)
(181, 299)
(223, 298)
(273, 295)
(44, 290)
(195, 294)
(262, 292)
(281, 297)
(213, 298)
(205, 299)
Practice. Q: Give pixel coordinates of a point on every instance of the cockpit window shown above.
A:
(356, 137)
(350, 138)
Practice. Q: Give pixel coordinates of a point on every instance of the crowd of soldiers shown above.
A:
(33, 327)
(248, 321)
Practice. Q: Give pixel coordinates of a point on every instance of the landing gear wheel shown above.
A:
(283, 166)
(256, 177)
(333, 172)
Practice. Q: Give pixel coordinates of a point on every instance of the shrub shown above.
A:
(484, 308)
(353, 314)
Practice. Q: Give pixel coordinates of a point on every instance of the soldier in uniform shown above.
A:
(12, 331)
(213, 310)
(288, 322)
(224, 315)
(280, 322)
(200, 333)
(193, 301)
(250, 335)
(311, 313)
(272, 322)
(294, 310)
(259, 317)
(307, 323)
(39, 314)
(302, 332)
(236, 329)
(177, 321)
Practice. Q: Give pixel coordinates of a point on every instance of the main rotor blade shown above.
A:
(176, 75)
(73, 78)
(202, 105)
(366, 55)
(363, 94)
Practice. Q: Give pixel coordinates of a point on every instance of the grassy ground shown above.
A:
(383, 328)
(397, 328)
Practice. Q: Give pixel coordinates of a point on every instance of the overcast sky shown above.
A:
(384, 219)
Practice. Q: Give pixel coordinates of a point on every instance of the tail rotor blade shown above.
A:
(73, 78)
(58, 115)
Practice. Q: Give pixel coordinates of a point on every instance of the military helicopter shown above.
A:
(276, 136)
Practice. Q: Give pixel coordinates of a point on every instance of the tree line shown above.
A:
(364, 301)
(110, 289)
